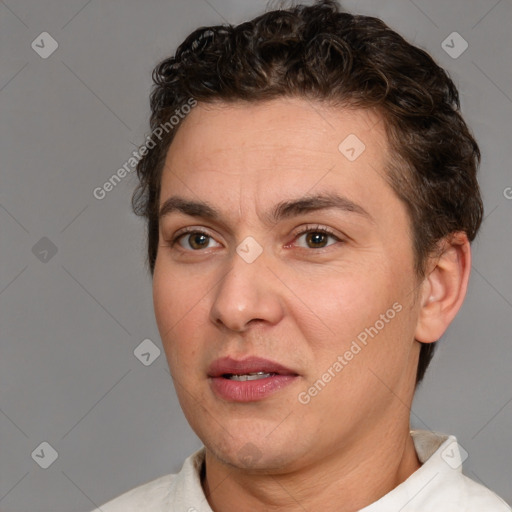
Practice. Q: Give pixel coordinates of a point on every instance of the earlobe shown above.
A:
(444, 287)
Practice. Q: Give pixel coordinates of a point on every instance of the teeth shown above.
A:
(250, 376)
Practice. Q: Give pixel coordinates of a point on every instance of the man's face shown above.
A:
(305, 299)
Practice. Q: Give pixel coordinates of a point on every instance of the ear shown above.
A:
(444, 287)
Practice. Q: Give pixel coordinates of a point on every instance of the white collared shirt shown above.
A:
(437, 486)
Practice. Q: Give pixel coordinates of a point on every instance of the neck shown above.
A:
(343, 482)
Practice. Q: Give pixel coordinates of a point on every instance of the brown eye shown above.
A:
(316, 239)
(194, 240)
(198, 240)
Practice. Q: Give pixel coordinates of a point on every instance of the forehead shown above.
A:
(280, 123)
(266, 149)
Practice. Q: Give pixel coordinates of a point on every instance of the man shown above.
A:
(310, 191)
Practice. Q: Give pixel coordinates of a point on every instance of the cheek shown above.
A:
(341, 303)
(164, 300)
(174, 294)
(351, 312)
(179, 313)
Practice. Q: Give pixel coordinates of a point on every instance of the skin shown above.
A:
(298, 303)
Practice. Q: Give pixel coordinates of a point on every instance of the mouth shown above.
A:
(251, 368)
(248, 380)
(248, 376)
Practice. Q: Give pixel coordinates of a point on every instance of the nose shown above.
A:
(247, 293)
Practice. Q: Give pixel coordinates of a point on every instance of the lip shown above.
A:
(251, 390)
(227, 365)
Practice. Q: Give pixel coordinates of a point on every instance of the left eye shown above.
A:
(195, 240)
(317, 239)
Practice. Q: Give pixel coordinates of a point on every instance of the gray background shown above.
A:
(70, 325)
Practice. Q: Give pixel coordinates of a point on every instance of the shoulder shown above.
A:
(169, 492)
(480, 498)
(147, 497)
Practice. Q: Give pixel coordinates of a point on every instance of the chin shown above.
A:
(248, 453)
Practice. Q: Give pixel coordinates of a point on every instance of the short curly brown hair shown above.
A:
(320, 53)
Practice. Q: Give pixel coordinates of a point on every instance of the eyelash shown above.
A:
(308, 229)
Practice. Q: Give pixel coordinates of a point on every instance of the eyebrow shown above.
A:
(282, 210)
